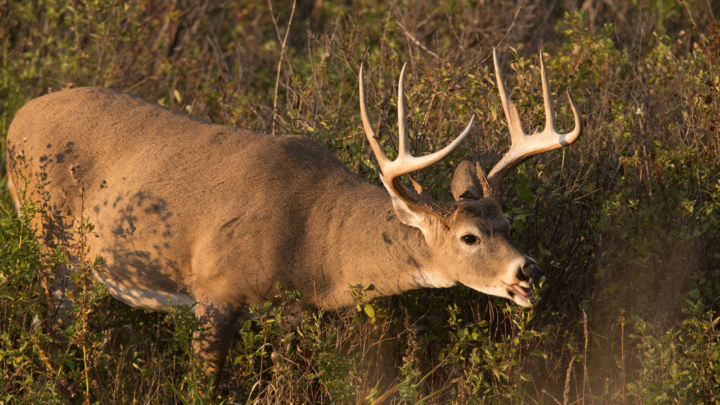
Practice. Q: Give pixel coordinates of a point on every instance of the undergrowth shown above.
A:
(624, 222)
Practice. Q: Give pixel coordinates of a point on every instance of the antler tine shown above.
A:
(525, 146)
(511, 113)
(403, 144)
(405, 162)
(547, 98)
(377, 149)
(565, 139)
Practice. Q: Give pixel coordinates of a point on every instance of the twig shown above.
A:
(550, 395)
(415, 41)
(512, 24)
(692, 20)
(566, 394)
(585, 356)
(390, 391)
(710, 10)
(622, 356)
(282, 55)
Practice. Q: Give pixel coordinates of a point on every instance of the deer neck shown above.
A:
(374, 247)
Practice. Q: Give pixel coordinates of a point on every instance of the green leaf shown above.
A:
(369, 310)
(528, 334)
(540, 353)
(381, 313)
(249, 338)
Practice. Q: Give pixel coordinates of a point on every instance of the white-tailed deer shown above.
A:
(186, 211)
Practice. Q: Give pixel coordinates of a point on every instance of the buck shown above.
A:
(188, 212)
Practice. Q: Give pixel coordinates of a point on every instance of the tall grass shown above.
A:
(624, 222)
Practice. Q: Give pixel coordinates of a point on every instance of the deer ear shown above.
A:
(465, 183)
(411, 216)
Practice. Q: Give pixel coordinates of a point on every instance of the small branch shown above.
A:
(585, 355)
(512, 24)
(550, 395)
(692, 20)
(390, 391)
(282, 55)
(415, 41)
(566, 394)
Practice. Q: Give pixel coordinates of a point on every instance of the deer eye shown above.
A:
(469, 239)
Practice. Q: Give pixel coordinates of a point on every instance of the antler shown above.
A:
(525, 146)
(405, 162)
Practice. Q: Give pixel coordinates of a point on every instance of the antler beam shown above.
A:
(525, 146)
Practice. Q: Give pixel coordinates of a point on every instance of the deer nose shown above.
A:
(529, 271)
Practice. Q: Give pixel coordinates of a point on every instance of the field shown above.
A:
(625, 222)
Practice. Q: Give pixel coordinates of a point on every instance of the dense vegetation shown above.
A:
(625, 222)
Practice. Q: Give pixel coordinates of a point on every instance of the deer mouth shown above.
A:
(522, 291)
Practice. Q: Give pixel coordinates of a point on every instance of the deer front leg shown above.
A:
(212, 342)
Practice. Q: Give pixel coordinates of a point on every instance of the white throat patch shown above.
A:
(432, 279)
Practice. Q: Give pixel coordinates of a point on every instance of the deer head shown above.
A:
(470, 238)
